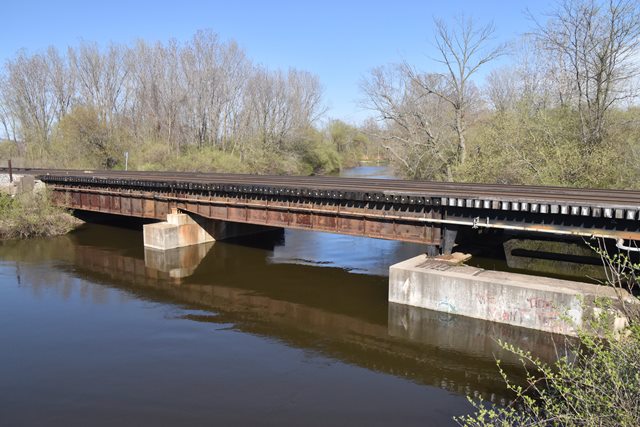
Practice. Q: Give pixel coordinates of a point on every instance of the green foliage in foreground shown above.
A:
(598, 385)
(32, 215)
(595, 383)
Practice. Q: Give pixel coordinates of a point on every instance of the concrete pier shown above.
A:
(178, 231)
(541, 303)
(183, 229)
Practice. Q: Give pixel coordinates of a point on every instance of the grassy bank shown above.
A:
(33, 215)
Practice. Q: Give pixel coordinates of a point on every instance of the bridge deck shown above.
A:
(584, 212)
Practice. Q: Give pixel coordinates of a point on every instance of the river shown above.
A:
(288, 329)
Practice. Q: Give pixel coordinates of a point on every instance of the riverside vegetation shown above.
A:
(32, 215)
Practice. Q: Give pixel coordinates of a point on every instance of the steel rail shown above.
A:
(374, 184)
(329, 179)
(417, 188)
(432, 191)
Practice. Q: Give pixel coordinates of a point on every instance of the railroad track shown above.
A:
(629, 199)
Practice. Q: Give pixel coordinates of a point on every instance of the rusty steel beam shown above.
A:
(369, 219)
(398, 210)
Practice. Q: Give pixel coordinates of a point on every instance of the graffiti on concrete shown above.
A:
(531, 310)
(446, 306)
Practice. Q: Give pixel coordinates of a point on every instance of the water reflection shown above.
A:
(177, 263)
(368, 256)
(371, 171)
(324, 309)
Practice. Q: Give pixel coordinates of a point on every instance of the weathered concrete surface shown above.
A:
(178, 231)
(541, 303)
(182, 230)
(21, 184)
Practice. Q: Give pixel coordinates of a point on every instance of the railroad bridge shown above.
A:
(193, 208)
(411, 211)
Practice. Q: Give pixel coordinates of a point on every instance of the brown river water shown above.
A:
(285, 329)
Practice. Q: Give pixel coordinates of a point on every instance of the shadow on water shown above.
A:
(329, 310)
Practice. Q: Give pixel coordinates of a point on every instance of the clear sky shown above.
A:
(337, 40)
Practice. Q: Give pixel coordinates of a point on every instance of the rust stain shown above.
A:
(360, 218)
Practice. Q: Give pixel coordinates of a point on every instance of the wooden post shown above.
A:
(10, 172)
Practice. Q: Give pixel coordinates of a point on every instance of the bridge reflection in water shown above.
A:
(328, 310)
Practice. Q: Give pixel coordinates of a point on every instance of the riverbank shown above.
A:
(32, 215)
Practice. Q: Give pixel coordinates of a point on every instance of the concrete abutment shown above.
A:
(540, 303)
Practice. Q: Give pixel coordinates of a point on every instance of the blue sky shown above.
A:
(337, 40)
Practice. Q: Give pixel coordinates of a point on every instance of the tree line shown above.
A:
(161, 101)
(560, 110)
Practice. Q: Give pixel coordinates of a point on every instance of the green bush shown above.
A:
(8, 150)
(32, 215)
(206, 159)
(82, 139)
(544, 148)
(320, 158)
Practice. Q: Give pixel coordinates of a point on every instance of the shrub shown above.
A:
(596, 382)
(320, 158)
(32, 215)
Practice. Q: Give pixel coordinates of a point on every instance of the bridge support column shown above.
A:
(546, 304)
(184, 229)
(448, 240)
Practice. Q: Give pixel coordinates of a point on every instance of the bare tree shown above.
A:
(305, 95)
(417, 122)
(160, 92)
(102, 79)
(427, 113)
(215, 75)
(29, 98)
(7, 116)
(502, 88)
(597, 45)
(203, 92)
(236, 71)
(531, 81)
(62, 82)
(463, 49)
(277, 103)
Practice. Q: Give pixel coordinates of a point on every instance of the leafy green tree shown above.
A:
(83, 137)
